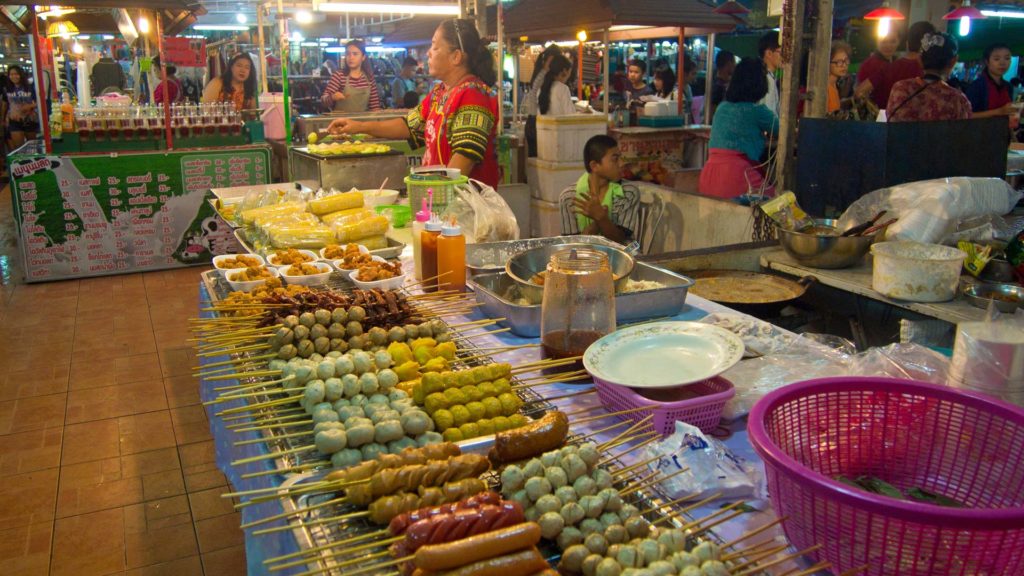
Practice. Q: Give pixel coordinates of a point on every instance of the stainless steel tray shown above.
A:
(491, 256)
(524, 319)
(304, 150)
(392, 250)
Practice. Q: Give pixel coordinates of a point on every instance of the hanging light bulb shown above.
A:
(965, 25)
(77, 48)
(303, 16)
(884, 25)
(143, 25)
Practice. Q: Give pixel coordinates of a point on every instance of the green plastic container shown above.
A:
(398, 214)
(443, 187)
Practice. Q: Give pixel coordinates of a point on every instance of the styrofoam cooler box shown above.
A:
(561, 138)
(548, 179)
(545, 219)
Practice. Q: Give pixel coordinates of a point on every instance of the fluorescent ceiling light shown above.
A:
(222, 27)
(309, 44)
(83, 37)
(1002, 14)
(241, 18)
(368, 8)
(105, 37)
(384, 49)
(303, 17)
(625, 27)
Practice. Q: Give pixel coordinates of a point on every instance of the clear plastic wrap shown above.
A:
(335, 202)
(988, 356)
(482, 213)
(365, 228)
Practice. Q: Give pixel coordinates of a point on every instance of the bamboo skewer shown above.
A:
(749, 551)
(758, 556)
(778, 561)
(629, 469)
(295, 512)
(202, 367)
(317, 522)
(701, 521)
(364, 570)
(812, 570)
(484, 322)
(253, 394)
(312, 551)
(243, 374)
(647, 437)
(431, 279)
(754, 532)
(346, 552)
(605, 429)
(300, 468)
(610, 414)
(277, 437)
(259, 405)
(279, 425)
(648, 483)
(691, 507)
(272, 455)
(636, 426)
(632, 487)
(722, 520)
(277, 416)
(555, 380)
(856, 570)
(260, 491)
(253, 348)
(570, 395)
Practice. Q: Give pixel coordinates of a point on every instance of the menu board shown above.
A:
(94, 215)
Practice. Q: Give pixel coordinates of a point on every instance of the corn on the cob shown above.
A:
(346, 216)
(336, 202)
(373, 226)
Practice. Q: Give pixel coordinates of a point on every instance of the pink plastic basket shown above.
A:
(703, 412)
(911, 434)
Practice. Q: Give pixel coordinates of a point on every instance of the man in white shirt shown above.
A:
(771, 55)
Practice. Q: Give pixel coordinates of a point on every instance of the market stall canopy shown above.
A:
(559, 20)
(99, 16)
(418, 30)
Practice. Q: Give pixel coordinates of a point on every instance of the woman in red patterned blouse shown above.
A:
(929, 98)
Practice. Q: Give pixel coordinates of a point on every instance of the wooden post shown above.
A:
(579, 73)
(818, 70)
(784, 173)
(163, 77)
(680, 73)
(501, 69)
(262, 50)
(709, 80)
(40, 84)
(605, 73)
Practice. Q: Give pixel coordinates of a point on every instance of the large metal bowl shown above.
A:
(523, 266)
(823, 251)
(1006, 297)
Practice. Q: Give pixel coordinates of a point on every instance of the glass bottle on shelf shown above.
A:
(579, 302)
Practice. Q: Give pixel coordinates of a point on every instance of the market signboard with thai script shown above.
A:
(94, 215)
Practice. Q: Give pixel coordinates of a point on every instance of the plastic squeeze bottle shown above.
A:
(428, 248)
(451, 258)
(417, 246)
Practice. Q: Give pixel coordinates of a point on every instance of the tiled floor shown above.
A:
(106, 460)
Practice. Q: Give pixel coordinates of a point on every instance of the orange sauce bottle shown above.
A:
(428, 252)
(451, 258)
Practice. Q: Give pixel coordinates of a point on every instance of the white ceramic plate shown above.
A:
(663, 354)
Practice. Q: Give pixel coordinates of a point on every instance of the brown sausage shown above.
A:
(522, 563)
(546, 572)
(479, 547)
(537, 437)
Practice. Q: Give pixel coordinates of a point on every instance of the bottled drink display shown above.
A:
(131, 122)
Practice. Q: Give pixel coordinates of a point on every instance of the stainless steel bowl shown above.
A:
(523, 266)
(822, 251)
(1007, 297)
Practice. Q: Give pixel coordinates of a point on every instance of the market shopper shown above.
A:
(18, 108)
(637, 88)
(689, 76)
(725, 66)
(738, 135)
(840, 82)
(598, 189)
(875, 77)
(770, 52)
(990, 94)
(455, 122)
(404, 82)
(173, 87)
(664, 84)
(236, 85)
(554, 98)
(529, 106)
(930, 98)
(909, 66)
(353, 89)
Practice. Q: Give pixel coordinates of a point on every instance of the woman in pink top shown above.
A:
(353, 89)
(929, 98)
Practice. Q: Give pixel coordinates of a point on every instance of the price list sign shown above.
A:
(89, 215)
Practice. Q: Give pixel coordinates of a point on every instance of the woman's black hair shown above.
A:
(21, 74)
(558, 65)
(749, 82)
(545, 56)
(411, 99)
(937, 51)
(596, 148)
(992, 48)
(639, 64)
(723, 59)
(366, 67)
(250, 83)
(917, 32)
(688, 64)
(462, 35)
(668, 82)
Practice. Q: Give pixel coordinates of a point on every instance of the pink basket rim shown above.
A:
(975, 518)
(722, 396)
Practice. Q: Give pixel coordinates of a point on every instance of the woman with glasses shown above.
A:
(456, 121)
(840, 83)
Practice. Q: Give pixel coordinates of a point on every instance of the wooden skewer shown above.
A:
(287, 424)
(253, 394)
(202, 367)
(715, 514)
(754, 532)
(633, 486)
(438, 294)
(276, 437)
(364, 570)
(722, 520)
(226, 369)
(654, 481)
(484, 322)
(618, 424)
(570, 395)
(319, 521)
(610, 414)
(632, 429)
(758, 556)
(300, 468)
(361, 547)
(227, 342)
(647, 438)
(257, 406)
(693, 506)
(856, 570)
(261, 491)
(502, 349)
(312, 551)
(668, 504)
(274, 416)
(253, 348)
(629, 469)
(425, 280)
(558, 379)
(253, 374)
(590, 408)
(778, 561)
(544, 364)
(234, 390)
(748, 551)
(296, 512)
(272, 455)
(812, 570)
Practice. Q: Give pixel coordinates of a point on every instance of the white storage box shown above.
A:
(548, 179)
(545, 219)
(561, 138)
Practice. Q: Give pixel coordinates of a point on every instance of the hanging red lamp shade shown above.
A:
(965, 11)
(731, 7)
(885, 12)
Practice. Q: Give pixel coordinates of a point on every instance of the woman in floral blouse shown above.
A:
(929, 98)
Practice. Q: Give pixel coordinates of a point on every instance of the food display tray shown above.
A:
(524, 320)
(392, 250)
(305, 151)
(491, 256)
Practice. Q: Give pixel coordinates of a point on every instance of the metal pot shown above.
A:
(761, 295)
(523, 266)
(825, 251)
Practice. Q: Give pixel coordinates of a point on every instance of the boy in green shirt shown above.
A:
(598, 188)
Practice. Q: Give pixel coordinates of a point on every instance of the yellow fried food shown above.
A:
(251, 274)
(290, 256)
(302, 269)
(239, 261)
(376, 270)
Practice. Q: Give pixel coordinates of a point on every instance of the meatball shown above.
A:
(347, 412)
(388, 431)
(590, 563)
(325, 415)
(333, 389)
(492, 407)
(520, 497)
(662, 568)
(572, 558)
(321, 426)
(387, 378)
(566, 494)
(512, 479)
(691, 571)
(402, 443)
(592, 506)
(360, 435)
(569, 537)
(682, 559)
(533, 468)
(637, 527)
(628, 557)
(612, 500)
(415, 422)
(537, 487)
(350, 384)
(551, 524)
(345, 458)
(381, 358)
(616, 534)
(706, 551)
(368, 383)
(307, 319)
(574, 467)
(573, 513)
(362, 361)
(585, 486)
(627, 511)
(674, 540)
(590, 525)
(602, 478)
(649, 550)
(714, 568)
(314, 393)
(428, 438)
(372, 451)
(608, 567)
(556, 476)
(330, 441)
(596, 543)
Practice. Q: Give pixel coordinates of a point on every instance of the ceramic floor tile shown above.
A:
(210, 504)
(181, 391)
(180, 361)
(114, 482)
(36, 357)
(191, 566)
(113, 401)
(30, 451)
(198, 464)
(190, 424)
(162, 485)
(89, 544)
(90, 441)
(147, 544)
(25, 550)
(28, 498)
(23, 384)
(124, 369)
(144, 432)
(226, 562)
(220, 532)
(33, 413)
(176, 337)
(92, 347)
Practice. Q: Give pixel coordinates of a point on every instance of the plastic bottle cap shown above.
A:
(432, 226)
(451, 230)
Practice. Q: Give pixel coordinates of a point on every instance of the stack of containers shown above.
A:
(559, 163)
(988, 357)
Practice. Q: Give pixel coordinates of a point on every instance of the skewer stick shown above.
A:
(312, 551)
(570, 395)
(319, 521)
(683, 499)
(824, 565)
(348, 551)
(655, 481)
(590, 408)
(257, 406)
(230, 350)
(277, 437)
(748, 551)
(555, 380)
(605, 429)
(856, 570)
(629, 469)
(272, 455)
(203, 367)
(778, 561)
(279, 416)
(243, 374)
(364, 570)
(251, 394)
(631, 487)
(548, 363)
(300, 468)
(261, 491)
(295, 512)
(760, 555)
(278, 425)
(647, 437)
(237, 367)
(425, 280)
(502, 348)
(610, 414)
(715, 514)
(754, 532)
(484, 322)
(636, 426)
(722, 520)
(235, 390)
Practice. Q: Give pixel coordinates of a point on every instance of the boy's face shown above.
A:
(635, 75)
(610, 167)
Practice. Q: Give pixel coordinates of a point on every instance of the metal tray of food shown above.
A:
(392, 250)
(304, 150)
(491, 256)
(503, 297)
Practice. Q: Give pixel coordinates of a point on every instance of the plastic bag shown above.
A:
(907, 361)
(712, 467)
(482, 213)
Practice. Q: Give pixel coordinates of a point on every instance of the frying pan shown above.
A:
(751, 292)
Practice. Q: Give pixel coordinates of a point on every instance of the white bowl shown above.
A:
(387, 284)
(224, 271)
(374, 198)
(309, 279)
(249, 286)
(271, 257)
